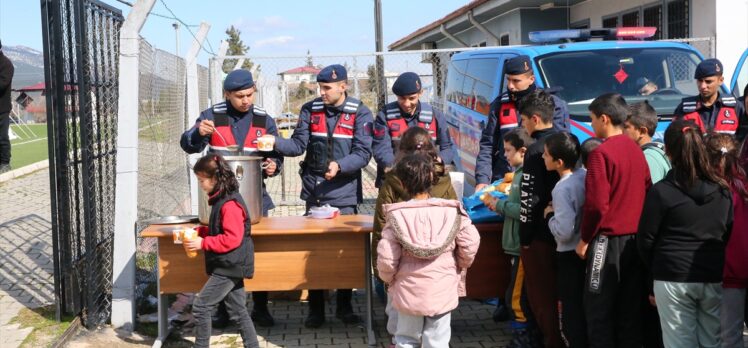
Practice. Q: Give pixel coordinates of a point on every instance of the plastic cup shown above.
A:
(266, 142)
(187, 235)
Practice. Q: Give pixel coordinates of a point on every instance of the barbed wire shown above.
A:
(211, 52)
(175, 18)
(155, 14)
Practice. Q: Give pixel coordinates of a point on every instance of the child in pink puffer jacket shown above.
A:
(426, 244)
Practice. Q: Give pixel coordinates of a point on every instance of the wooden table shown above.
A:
(291, 253)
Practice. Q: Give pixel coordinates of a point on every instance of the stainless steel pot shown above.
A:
(248, 171)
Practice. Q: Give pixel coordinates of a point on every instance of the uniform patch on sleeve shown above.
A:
(367, 128)
(379, 131)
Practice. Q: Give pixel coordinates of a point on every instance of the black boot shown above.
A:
(261, 317)
(344, 309)
(260, 313)
(316, 315)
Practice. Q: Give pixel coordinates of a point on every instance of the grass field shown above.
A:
(28, 148)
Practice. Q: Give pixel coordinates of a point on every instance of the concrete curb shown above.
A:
(24, 170)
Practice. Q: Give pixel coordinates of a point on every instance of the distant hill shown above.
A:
(28, 63)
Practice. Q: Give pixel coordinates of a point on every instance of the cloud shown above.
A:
(274, 41)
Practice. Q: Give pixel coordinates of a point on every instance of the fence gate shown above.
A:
(81, 47)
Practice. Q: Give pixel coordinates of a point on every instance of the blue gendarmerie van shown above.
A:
(576, 70)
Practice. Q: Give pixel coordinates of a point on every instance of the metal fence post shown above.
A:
(216, 74)
(193, 104)
(126, 207)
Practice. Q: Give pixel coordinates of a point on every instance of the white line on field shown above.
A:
(28, 142)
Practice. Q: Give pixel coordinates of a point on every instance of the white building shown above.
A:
(508, 22)
(300, 74)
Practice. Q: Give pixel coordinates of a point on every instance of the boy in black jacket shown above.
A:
(538, 245)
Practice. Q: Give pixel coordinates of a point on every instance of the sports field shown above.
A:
(30, 146)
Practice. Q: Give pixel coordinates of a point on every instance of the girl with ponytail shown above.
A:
(229, 251)
(683, 229)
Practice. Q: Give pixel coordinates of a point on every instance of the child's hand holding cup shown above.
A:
(192, 242)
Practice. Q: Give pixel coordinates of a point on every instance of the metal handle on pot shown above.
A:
(239, 172)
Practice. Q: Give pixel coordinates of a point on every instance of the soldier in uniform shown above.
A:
(335, 131)
(407, 112)
(503, 116)
(230, 127)
(711, 110)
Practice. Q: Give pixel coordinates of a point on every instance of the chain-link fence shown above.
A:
(286, 83)
(163, 171)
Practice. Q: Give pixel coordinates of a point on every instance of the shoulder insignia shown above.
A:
(219, 108)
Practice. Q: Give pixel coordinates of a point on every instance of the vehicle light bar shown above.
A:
(556, 35)
(636, 32)
(547, 36)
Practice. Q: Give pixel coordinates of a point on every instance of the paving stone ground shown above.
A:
(26, 269)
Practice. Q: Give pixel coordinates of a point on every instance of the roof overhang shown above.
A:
(458, 21)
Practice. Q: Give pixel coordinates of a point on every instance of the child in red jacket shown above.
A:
(229, 251)
(732, 166)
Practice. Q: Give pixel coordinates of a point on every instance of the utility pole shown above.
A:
(176, 32)
(381, 80)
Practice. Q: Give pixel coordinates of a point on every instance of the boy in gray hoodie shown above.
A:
(564, 218)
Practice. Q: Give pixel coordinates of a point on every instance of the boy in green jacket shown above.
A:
(640, 126)
(524, 333)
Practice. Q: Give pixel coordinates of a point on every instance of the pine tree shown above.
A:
(371, 72)
(236, 48)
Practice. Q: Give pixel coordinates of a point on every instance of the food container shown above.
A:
(248, 171)
(324, 212)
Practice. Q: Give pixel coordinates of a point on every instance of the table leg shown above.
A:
(163, 311)
(371, 336)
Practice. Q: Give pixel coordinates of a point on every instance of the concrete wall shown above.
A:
(706, 10)
(507, 23)
(534, 20)
(595, 10)
(731, 32)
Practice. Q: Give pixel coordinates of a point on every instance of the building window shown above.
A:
(630, 19)
(611, 22)
(677, 19)
(585, 24)
(504, 40)
(653, 18)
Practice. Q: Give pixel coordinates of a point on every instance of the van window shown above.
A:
(480, 79)
(624, 71)
(455, 79)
